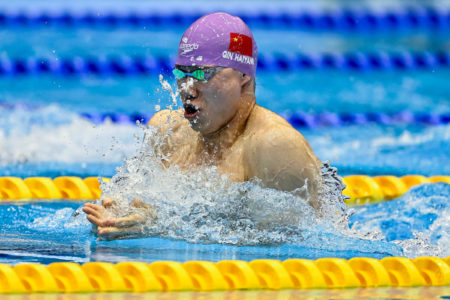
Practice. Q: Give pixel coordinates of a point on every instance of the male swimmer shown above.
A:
(221, 124)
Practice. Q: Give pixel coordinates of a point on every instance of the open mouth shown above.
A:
(190, 110)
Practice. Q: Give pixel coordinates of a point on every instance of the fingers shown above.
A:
(125, 221)
(92, 212)
(138, 203)
(95, 216)
(108, 202)
(129, 236)
(94, 220)
(120, 237)
(93, 207)
(125, 227)
(110, 233)
(118, 223)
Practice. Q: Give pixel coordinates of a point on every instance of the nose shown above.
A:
(187, 88)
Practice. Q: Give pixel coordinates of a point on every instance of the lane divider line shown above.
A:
(145, 65)
(361, 189)
(206, 276)
(339, 20)
(307, 120)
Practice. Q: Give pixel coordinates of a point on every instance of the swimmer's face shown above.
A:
(211, 105)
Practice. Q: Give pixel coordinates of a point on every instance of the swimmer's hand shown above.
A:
(131, 226)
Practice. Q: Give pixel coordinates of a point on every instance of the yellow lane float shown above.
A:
(205, 276)
(361, 189)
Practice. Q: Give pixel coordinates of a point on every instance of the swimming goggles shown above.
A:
(201, 74)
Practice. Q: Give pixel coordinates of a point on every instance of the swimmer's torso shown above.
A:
(268, 148)
(185, 148)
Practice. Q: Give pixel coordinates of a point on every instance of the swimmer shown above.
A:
(221, 125)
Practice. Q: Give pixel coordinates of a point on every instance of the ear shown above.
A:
(245, 79)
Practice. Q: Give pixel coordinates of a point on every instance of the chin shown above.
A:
(196, 125)
(201, 127)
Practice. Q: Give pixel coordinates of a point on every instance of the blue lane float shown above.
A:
(346, 19)
(125, 65)
(296, 118)
(305, 120)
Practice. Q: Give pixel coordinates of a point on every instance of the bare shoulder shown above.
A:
(267, 129)
(272, 143)
(175, 131)
(165, 119)
(279, 155)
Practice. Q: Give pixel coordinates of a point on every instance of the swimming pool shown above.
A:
(43, 133)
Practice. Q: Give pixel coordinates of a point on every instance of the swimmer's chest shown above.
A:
(232, 164)
(189, 154)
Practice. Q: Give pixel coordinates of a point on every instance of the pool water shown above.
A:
(413, 225)
(42, 134)
(29, 136)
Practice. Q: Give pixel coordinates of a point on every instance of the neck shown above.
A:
(215, 143)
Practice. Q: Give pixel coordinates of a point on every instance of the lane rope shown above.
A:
(204, 276)
(361, 189)
(297, 119)
(307, 120)
(124, 65)
(345, 19)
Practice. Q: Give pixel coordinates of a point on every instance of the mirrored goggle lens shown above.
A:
(197, 74)
(178, 74)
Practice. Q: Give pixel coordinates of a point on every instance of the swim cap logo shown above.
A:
(187, 47)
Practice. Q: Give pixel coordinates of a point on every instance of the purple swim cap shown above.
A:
(219, 39)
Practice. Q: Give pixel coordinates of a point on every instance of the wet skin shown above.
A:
(222, 126)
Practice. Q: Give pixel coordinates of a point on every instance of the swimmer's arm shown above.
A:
(164, 121)
(284, 162)
(131, 226)
(161, 119)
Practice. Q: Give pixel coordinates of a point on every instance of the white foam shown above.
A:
(423, 213)
(342, 145)
(52, 134)
(202, 205)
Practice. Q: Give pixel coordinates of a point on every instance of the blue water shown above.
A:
(42, 135)
(391, 91)
(415, 212)
(61, 42)
(48, 142)
(53, 231)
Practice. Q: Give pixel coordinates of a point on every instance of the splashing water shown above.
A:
(203, 206)
(419, 221)
(52, 141)
(167, 87)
